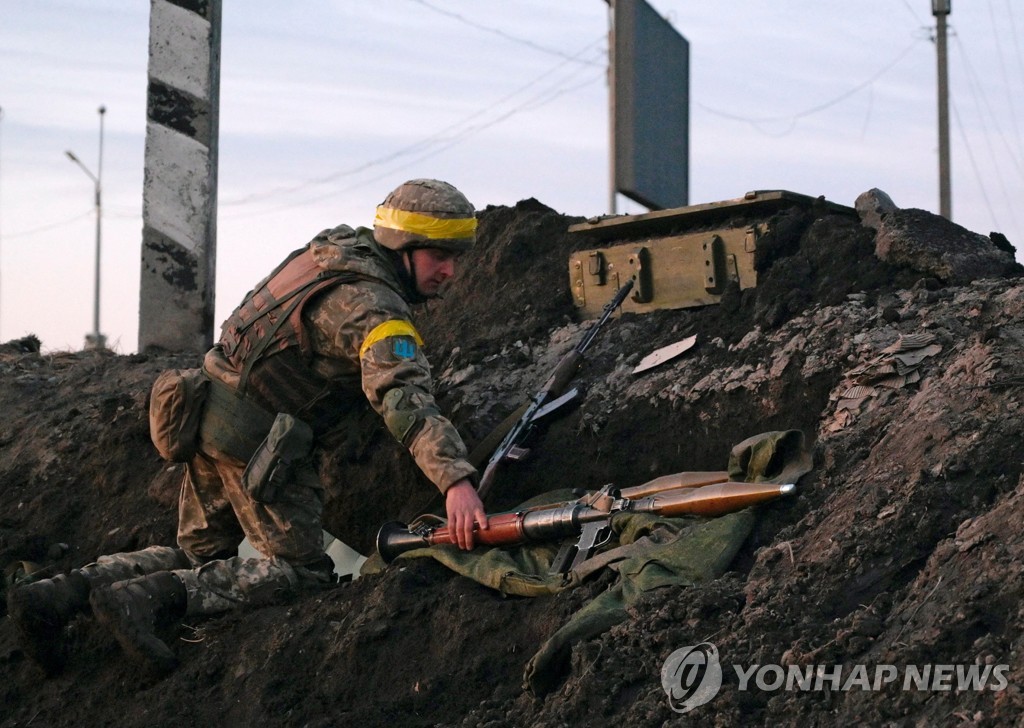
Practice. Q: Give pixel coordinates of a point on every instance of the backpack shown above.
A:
(175, 411)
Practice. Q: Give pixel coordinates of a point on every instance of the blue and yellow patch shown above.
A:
(401, 337)
(403, 347)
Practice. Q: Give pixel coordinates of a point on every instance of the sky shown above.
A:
(326, 105)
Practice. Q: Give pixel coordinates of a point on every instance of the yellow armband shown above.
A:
(405, 334)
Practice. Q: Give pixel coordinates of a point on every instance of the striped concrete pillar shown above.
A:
(179, 201)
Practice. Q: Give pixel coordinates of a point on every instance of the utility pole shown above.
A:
(1, 211)
(95, 340)
(179, 189)
(941, 9)
(612, 197)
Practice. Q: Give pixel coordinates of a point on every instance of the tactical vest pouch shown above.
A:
(232, 423)
(289, 441)
(175, 411)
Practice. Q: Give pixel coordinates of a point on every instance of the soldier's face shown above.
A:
(432, 267)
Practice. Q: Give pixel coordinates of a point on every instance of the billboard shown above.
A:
(650, 107)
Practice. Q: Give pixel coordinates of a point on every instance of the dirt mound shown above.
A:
(903, 549)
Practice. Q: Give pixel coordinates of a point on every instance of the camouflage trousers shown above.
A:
(214, 514)
(118, 567)
(217, 586)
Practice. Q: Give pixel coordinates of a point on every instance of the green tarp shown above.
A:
(646, 552)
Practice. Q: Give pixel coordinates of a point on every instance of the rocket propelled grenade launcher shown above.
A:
(589, 517)
(511, 447)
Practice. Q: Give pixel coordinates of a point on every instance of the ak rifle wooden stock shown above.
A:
(565, 519)
(511, 447)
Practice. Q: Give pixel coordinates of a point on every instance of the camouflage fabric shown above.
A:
(340, 324)
(220, 586)
(118, 567)
(362, 340)
(648, 552)
(216, 586)
(441, 217)
(215, 513)
(344, 326)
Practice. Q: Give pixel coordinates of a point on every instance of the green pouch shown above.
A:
(289, 441)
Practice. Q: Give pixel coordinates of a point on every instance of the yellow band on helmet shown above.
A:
(395, 327)
(433, 228)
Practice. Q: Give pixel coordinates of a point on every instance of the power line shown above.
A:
(499, 32)
(792, 118)
(441, 140)
(1002, 68)
(537, 101)
(1016, 43)
(439, 137)
(974, 164)
(913, 12)
(51, 226)
(978, 90)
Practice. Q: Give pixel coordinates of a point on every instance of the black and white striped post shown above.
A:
(179, 209)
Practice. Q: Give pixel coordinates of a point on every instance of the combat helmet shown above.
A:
(425, 213)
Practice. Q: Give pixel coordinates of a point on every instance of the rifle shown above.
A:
(549, 397)
(590, 517)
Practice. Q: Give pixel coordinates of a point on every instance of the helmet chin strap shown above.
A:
(405, 269)
(410, 268)
(410, 265)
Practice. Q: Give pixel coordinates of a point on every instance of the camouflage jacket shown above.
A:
(356, 338)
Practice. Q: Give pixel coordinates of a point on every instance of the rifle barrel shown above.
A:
(556, 384)
(609, 309)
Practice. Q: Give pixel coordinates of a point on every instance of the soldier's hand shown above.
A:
(464, 509)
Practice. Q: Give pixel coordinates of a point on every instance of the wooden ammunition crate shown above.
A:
(680, 258)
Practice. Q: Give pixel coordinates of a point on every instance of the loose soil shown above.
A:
(904, 546)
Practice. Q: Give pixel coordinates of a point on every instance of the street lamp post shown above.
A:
(95, 340)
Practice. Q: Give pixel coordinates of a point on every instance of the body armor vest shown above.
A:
(265, 340)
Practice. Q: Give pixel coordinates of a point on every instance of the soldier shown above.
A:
(330, 326)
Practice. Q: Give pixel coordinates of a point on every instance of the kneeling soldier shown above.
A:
(330, 324)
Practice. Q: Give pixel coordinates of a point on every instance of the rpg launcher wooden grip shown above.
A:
(556, 522)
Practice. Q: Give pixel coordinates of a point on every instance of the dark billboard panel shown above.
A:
(651, 102)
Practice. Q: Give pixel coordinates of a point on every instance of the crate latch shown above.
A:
(640, 269)
(715, 274)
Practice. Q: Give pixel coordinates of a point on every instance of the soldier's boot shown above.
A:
(135, 609)
(40, 612)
